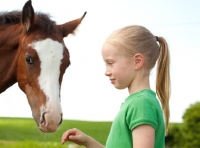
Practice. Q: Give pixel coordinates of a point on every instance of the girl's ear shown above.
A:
(138, 60)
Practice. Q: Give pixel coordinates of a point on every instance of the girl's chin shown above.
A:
(119, 87)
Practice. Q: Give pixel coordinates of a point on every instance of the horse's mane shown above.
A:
(13, 17)
(42, 20)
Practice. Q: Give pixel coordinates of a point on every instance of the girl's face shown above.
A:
(119, 68)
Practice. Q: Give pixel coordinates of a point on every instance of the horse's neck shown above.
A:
(8, 57)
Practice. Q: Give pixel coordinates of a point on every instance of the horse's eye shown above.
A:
(29, 60)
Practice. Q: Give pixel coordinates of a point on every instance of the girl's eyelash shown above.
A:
(108, 63)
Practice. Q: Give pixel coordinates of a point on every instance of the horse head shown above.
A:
(43, 59)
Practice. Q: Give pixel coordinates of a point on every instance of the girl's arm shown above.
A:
(78, 137)
(143, 136)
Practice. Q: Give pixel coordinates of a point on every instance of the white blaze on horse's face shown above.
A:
(50, 54)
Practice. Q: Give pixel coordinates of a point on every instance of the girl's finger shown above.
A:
(66, 135)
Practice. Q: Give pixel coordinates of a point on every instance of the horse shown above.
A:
(33, 54)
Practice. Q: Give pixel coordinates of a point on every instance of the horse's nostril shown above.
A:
(60, 121)
(42, 119)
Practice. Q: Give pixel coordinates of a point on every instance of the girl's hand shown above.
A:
(74, 135)
(78, 137)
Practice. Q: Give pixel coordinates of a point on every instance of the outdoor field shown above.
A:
(23, 133)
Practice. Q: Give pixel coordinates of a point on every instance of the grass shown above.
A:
(30, 144)
(23, 133)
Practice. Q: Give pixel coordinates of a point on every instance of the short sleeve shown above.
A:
(140, 111)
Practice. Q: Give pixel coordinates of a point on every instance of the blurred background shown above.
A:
(86, 93)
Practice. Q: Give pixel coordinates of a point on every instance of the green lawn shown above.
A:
(23, 133)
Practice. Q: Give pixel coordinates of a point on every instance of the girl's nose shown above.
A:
(107, 72)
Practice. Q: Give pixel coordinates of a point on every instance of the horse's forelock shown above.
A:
(45, 24)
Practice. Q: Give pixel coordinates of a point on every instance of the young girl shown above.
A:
(130, 53)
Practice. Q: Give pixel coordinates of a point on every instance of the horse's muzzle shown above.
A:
(47, 124)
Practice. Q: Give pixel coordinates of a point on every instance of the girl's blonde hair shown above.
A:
(138, 39)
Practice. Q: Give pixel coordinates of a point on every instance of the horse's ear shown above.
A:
(71, 26)
(28, 16)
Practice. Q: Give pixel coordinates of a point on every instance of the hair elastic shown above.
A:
(156, 38)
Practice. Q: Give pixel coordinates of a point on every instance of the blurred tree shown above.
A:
(186, 134)
(174, 139)
(191, 119)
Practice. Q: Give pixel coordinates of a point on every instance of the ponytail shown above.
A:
(163, 89)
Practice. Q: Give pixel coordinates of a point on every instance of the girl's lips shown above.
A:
(112, 81)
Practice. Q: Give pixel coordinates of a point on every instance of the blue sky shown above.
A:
(86, 93)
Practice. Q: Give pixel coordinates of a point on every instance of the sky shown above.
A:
(86, 93)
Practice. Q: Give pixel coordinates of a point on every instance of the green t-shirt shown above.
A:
(139, 108)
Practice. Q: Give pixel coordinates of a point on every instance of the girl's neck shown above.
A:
(139, 83)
